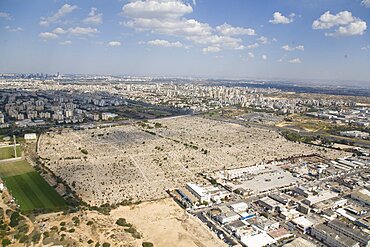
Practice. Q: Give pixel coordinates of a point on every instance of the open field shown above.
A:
(7, 152)
(14, 168)
(140, 162)
(161, 222)
(164, 224)
(28, 188)
(302, 123)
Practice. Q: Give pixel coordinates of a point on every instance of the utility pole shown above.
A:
(15, 147)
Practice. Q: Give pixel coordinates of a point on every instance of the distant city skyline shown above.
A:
(311, 40)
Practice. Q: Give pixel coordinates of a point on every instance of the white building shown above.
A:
(239, 207)
(200, 193)
(30, 136)
(228, 217)
(320, 197)
(257, 240)
(302, 224)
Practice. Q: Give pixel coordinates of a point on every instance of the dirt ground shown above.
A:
(161, 222)
(165, 224)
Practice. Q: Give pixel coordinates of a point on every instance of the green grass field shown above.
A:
(8, 169)
(8, 152)
(29, 189)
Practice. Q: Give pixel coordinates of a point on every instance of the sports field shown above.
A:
(28, 188)
(8, 152)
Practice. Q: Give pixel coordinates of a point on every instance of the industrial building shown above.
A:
(200, 193)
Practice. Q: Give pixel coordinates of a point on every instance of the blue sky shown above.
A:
(292, 39)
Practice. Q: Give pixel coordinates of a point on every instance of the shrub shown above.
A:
(134, 232)
(123, 222)
(147, 244)
(5, 242)
(36, 237)
(14, 219)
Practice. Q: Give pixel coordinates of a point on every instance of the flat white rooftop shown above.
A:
(265, 181)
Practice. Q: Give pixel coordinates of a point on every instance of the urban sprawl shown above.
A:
(254, 166)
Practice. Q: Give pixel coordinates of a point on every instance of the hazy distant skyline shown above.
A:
(308, 39)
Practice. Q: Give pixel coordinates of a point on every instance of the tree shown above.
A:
(147, 244)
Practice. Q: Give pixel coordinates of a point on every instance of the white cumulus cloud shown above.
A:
(48, 36)
(5, 15)
(264, 57)
(279, 18)
(63, 11)
(94, 17)
(295, 60)
(165, 43)
(347, 24)
(263, 40)
(253, 46)
(168, 17)
(81, 31)
(158, 9)
(289, 48)
(227, 29)
(366, 3)
(13, 29)
(365, 48)
(59, 30)
(250, 55)
(114, 43)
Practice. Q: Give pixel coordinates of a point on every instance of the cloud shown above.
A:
(294, 60)
(10, 29)
(365, 48)
(6, 16)
(81, 31)
(75, 31)
(263, 40)
(253, 46)
(94, 17)
(157, 9)
(48, 36)
(63, 11)
(289, 48)
(165, 43)
(250, 55)
(281, 19)
(228, 30)
(59, 30)
(167, 17)
(366, 3)
(114, 43)
(347, 24)
(211, 49)
(66, 42)
(264, 57)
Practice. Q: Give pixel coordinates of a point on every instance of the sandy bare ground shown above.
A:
(165, 224)
(161, 222)
(130, 162)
